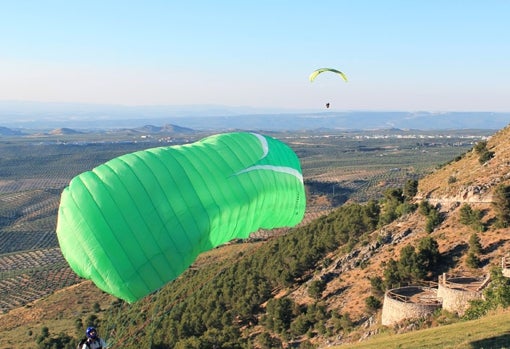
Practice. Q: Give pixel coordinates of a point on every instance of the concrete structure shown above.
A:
(456, 292)
(452, 294)
(411, 302)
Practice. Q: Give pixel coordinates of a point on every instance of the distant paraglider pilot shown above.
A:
(316, 72)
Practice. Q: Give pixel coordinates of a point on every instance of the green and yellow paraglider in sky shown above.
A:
(315, 73)
(138, 221)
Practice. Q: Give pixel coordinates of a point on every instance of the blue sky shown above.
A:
(434, 55)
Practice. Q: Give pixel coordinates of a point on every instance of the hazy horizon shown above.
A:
(16, 114)
(397, 55)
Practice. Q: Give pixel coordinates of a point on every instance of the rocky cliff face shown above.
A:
(468, 178)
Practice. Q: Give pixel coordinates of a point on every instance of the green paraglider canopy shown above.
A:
(138, 221)
(322, 70)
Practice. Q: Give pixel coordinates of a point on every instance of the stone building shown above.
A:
(456, 292)
(411, 302)
(453, 294)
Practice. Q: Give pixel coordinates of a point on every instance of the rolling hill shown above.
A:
(345, 270)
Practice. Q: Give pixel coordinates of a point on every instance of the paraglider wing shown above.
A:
(322, 70)
(138, 221)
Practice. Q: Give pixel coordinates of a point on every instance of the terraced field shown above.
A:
(34, 171)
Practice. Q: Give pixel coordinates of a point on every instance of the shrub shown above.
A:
(391, 274)
(472, 218)
(474, 244)
(316, 288)
(279, 314)
(434, 219)
(472, 260)
(377, 285)
(429, 257)
(425, 207)
(372, 303)
(300, 325)
(342, 322)
(501, 202)
(265, 341)
(410, 189)
(486, 156)
(96, 307)
(412, 265)
(484, 153)
(432, 214)
(480, 147)
(452, 179)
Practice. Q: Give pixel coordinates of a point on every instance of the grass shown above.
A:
(58, 312)
(486, 333)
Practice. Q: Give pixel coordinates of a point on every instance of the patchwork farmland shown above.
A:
(35, 169)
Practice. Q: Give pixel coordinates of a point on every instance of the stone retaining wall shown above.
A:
(452, 294)
(455, 294)
(395, 309)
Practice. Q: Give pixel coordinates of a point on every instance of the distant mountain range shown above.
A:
(5, 131)
(18, 115)
(147, 129)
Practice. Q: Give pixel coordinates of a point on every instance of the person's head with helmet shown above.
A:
(91, 333)
(93, 340)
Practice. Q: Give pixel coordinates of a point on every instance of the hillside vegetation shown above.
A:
(322, 282)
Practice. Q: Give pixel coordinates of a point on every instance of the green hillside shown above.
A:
(317, 284)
